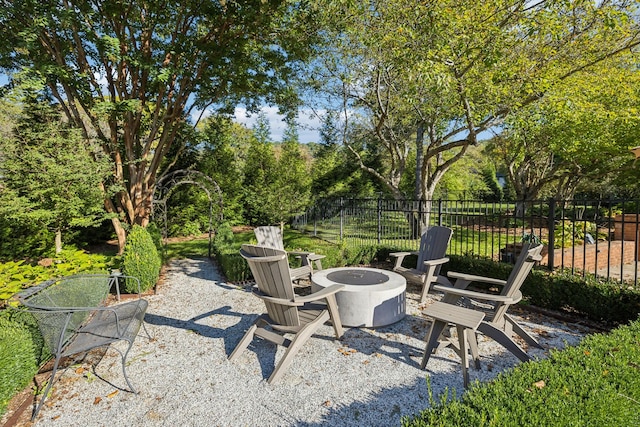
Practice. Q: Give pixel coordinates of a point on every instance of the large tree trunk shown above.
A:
(120, 233)
(58, 241)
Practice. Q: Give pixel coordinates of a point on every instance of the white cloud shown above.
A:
(308, 123)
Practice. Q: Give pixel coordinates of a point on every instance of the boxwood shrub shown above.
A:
(140, 259)
(18, 361)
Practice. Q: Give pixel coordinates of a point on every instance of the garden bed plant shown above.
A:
(596, 383)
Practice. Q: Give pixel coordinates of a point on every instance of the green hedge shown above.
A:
(234, 267)
(18, 361)
(227, 251)
(596, 383)
(141, 259)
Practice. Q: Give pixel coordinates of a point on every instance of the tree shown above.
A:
(260, 176)
(130, 74)
(225, 145)
(50, 178)
(579, 133)
(293, 181)
(431, 77)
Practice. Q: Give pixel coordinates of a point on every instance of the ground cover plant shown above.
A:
(596, 383)
(17, 275)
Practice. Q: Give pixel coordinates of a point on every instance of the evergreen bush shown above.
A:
(156, 235)
(18, 364)
(227, 252)
(140, 259)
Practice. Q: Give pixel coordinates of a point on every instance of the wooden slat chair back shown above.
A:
(498, 324)
(286, 311)
(511, 290)
(433, 245)
(270, 270)
(434, 242)
(271, 237)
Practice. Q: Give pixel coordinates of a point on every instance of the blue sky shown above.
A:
(308, 123)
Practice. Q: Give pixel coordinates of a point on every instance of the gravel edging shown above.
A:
(370, 377)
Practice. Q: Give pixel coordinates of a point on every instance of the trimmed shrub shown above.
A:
(140, 259)
(156, 236)
(234, 267)
(18, 364)
(223, 238)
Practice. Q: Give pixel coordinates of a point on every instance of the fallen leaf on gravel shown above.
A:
(97, 400)
(80, 370)
(327, 403)
(347, 352)
(366, 362)
(113, 393)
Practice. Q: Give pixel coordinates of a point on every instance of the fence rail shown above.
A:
(586, 236)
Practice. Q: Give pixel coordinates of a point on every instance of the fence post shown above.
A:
(341, 218)
(440, 203)
(551, 226)
(421, 218)
(379, 219)
(315, 219)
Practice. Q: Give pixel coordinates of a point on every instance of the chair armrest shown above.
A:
(472, 278)
(478, 295)
(434, 262)
(280, 301)
(315, 257)
(300, 253)
(325, 292)
(399, 256)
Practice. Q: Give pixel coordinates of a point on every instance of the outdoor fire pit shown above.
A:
(371, 297)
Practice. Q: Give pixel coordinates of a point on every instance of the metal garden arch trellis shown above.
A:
(168, 183)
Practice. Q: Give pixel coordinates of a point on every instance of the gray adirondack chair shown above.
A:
(497, 324)
(271, 236)
(286, 311)
(431, 255)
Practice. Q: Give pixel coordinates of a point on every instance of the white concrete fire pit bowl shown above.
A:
(371, 297)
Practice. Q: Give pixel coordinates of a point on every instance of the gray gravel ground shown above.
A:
(369, 378)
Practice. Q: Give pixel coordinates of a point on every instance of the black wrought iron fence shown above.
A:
(586, 236)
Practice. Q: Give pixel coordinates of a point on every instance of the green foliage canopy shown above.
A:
(129, 74)
(578, 134)
(51, 178)
(429, 77)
